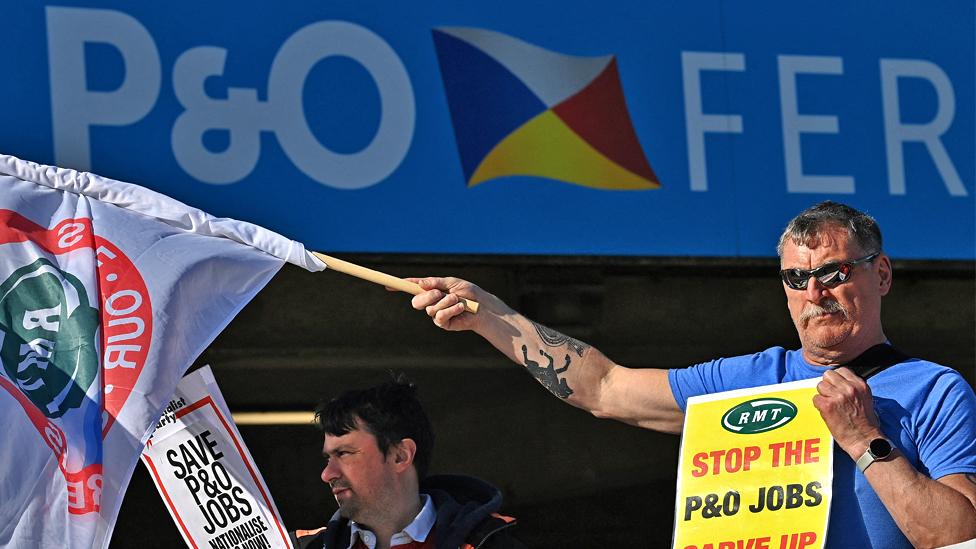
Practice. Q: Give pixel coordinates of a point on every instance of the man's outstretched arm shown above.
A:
(568, 368)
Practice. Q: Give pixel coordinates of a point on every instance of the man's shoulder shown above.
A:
(468, 509)
(923, 370)
(308, 539)
(767, 367)
(760, 359)
(494, 532)
(921, 379)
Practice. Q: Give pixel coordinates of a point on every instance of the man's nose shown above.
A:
(815, 290)
(330, 472)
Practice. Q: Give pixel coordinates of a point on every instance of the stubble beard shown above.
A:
(347, 511)
(348, 507)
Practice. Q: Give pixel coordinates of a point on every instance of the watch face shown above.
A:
(880, 448)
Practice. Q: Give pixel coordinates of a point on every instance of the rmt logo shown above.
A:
(758, 416)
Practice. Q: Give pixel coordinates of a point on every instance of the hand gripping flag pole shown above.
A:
(389, 281)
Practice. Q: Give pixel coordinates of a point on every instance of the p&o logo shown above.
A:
(519, 109)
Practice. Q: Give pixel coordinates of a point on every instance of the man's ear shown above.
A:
(884, 273)
(404, 453)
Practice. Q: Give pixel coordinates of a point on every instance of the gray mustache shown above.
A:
(827, 307)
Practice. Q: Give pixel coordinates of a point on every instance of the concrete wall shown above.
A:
(570, 478)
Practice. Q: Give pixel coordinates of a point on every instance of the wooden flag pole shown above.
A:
(389, 281)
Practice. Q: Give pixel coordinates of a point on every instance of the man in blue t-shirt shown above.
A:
(905, 471)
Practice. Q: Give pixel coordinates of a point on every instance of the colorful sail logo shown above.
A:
(521, 110)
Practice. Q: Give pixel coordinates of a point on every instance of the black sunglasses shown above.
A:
(829, 275)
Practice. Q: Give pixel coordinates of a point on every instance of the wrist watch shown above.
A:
(878, 449)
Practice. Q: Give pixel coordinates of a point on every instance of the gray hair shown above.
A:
(861, 228)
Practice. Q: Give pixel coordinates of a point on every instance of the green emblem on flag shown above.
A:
(48, 329)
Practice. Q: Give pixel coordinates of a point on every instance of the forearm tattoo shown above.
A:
(552, 338)
(548, 375)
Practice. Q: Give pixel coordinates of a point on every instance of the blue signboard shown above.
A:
(624, 127)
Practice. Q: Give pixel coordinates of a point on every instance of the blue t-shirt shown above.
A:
(928, 411)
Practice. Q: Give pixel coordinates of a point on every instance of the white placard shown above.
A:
(206, 476)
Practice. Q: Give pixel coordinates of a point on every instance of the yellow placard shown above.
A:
(755, 470)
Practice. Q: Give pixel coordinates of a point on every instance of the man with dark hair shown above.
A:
(905, 428)
(378, 444)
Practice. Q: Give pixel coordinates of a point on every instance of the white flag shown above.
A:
(108, 292)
